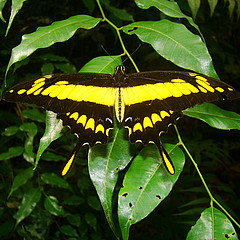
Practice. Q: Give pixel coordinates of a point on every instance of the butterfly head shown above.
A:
(119, 70)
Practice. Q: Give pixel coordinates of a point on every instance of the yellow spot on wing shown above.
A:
(137, 126)
(205, 85)
(164, 114)
(38, 91)
(48, 90)
(230, 89)
(175, 89)
(39, 80)
(61, 82)
(21, 91)
(35, 87)
(147, 122)
(82, 120)
(58, 90)
(192, 74)
(99, 128)
(48, 76)
(155, 118)
(201, 78)
(66, 92)
(219, 89)
(74, 116)
(90, 124)
(68, 165)
(202, 89)
(11, 91)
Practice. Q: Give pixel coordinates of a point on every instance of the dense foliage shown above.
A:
(63, 36)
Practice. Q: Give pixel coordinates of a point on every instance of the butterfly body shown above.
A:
(146, 103)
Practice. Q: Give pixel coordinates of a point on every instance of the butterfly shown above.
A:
(145, 103)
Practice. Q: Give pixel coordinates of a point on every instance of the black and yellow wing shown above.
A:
(82, 101)
(154, 100)
(146, 102)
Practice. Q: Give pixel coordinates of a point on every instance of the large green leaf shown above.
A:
(146, 184)
(214, 116)
(52, 132)
(43, 37)
(176, 43)
(212, 225)
(104, 165)
(169, 8)
(29, 202)
(16, 6)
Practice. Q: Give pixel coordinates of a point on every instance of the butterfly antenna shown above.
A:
(132, 53)
(117, 64)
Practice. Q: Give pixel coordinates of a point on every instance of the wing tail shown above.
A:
(165, 157)
(72, 158)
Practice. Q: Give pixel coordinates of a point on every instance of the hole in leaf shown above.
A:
(158, 196)
(130, 204)
(125, 194)
(227, 236)
(134, 28)
(233, 233)
(140, 188)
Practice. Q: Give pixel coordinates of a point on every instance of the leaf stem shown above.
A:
(118, 33)
(212, 199)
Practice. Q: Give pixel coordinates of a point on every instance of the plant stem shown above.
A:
(118, 33)
(212, 199)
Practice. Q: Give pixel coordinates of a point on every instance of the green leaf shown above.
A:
(146, 184)
(51, 205)
(50, 156)
(31, 130)
(59, 31)
(184, 48)
(74, 219)
(54, 179)
(103, 64)
(21, 178)
(66, 67)
(74, 200)
(16, 6)
(52, 132)
(2, 4)
(10, 131)
(212, 224)
(170, 8)
(214, 116)
(104, 164)
(12, 153)
(34, 114)
(212, 5)
(29, 201)
(69, 230)
(194, 6)
(47, 68)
